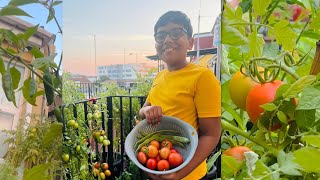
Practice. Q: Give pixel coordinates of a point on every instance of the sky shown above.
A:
(39, 16)
(123, 29)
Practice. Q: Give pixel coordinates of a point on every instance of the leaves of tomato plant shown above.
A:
(313, 140)
(308, 158)
(232, 36)
(282, 117)
(287, 165)
(260, 6)
(261, 170)
(229, 166)
(268, 106)
(285, 35)
(308, 99)
(37, 172)
(235, 115)
(305, 118)
(256, 43)
(52, 134)
(298, 86)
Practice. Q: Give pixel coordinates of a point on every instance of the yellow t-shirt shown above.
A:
(187, 94)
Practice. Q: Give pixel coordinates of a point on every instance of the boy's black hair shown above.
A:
(176, 17)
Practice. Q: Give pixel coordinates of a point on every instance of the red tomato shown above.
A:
(164, 152)
(166, 143)
(155, 143)
(142, 157)
(151, 163)
(175, 159)
(152, 151)
(258, 95)
(163, 165)
(237, 152)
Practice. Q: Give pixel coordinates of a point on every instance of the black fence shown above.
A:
(117, 160)
(90, 89)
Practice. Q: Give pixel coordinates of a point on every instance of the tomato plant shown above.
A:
(280, 37)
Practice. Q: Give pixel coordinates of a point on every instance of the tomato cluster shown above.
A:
(159, 156)
(101, 171)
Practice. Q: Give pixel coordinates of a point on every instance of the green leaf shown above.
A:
(37, 172)
(282, 117)
(10, 10)
(262, 170)
(308, 158)
(26, 92)
(232, 36)
(271, 50)
(50, 16)
(260, 6)
(281, 90)
(245, 5)
(308, 99)
(285, 35)
(51, 135)
(229, 166)
(298, 86)
(315, 22)
(30, 32)
(235, 115)
(42, 62)
(268, 106)
(313, 140)
(287, 164)
(9, 36)
(16, 75)
(212, 160)
(256, 43)
(311, 34)
(7, 87)
(22, 2)
(305, 118)
(56, 3)
(35, 51)
(2, 67)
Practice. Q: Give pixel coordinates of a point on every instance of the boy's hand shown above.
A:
(153, 114)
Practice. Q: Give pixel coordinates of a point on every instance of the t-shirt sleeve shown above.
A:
(208, 95)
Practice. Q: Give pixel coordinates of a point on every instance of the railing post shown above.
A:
(121, 133)
(110, 133)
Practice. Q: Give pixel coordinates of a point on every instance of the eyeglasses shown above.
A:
(174, 34)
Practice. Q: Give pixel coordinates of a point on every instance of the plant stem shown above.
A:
(31, 69)
(304, 28)
(256, 24)
(227, 126)
(269, 13)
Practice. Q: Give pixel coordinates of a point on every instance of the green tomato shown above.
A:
(71, 123)
(33, 130)
(95, 107)
(100, 140)
(78, 148)
(75, 126)
(96, 115)
(65, 157)
(89, 116)
(31, 135)
(104, 105)
(106, 142)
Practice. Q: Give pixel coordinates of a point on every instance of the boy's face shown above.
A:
(173, 50)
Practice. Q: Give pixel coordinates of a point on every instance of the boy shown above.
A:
(184, 90)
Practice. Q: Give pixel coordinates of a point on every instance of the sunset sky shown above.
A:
(123, 29)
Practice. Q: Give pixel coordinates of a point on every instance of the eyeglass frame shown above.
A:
(169, 33)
